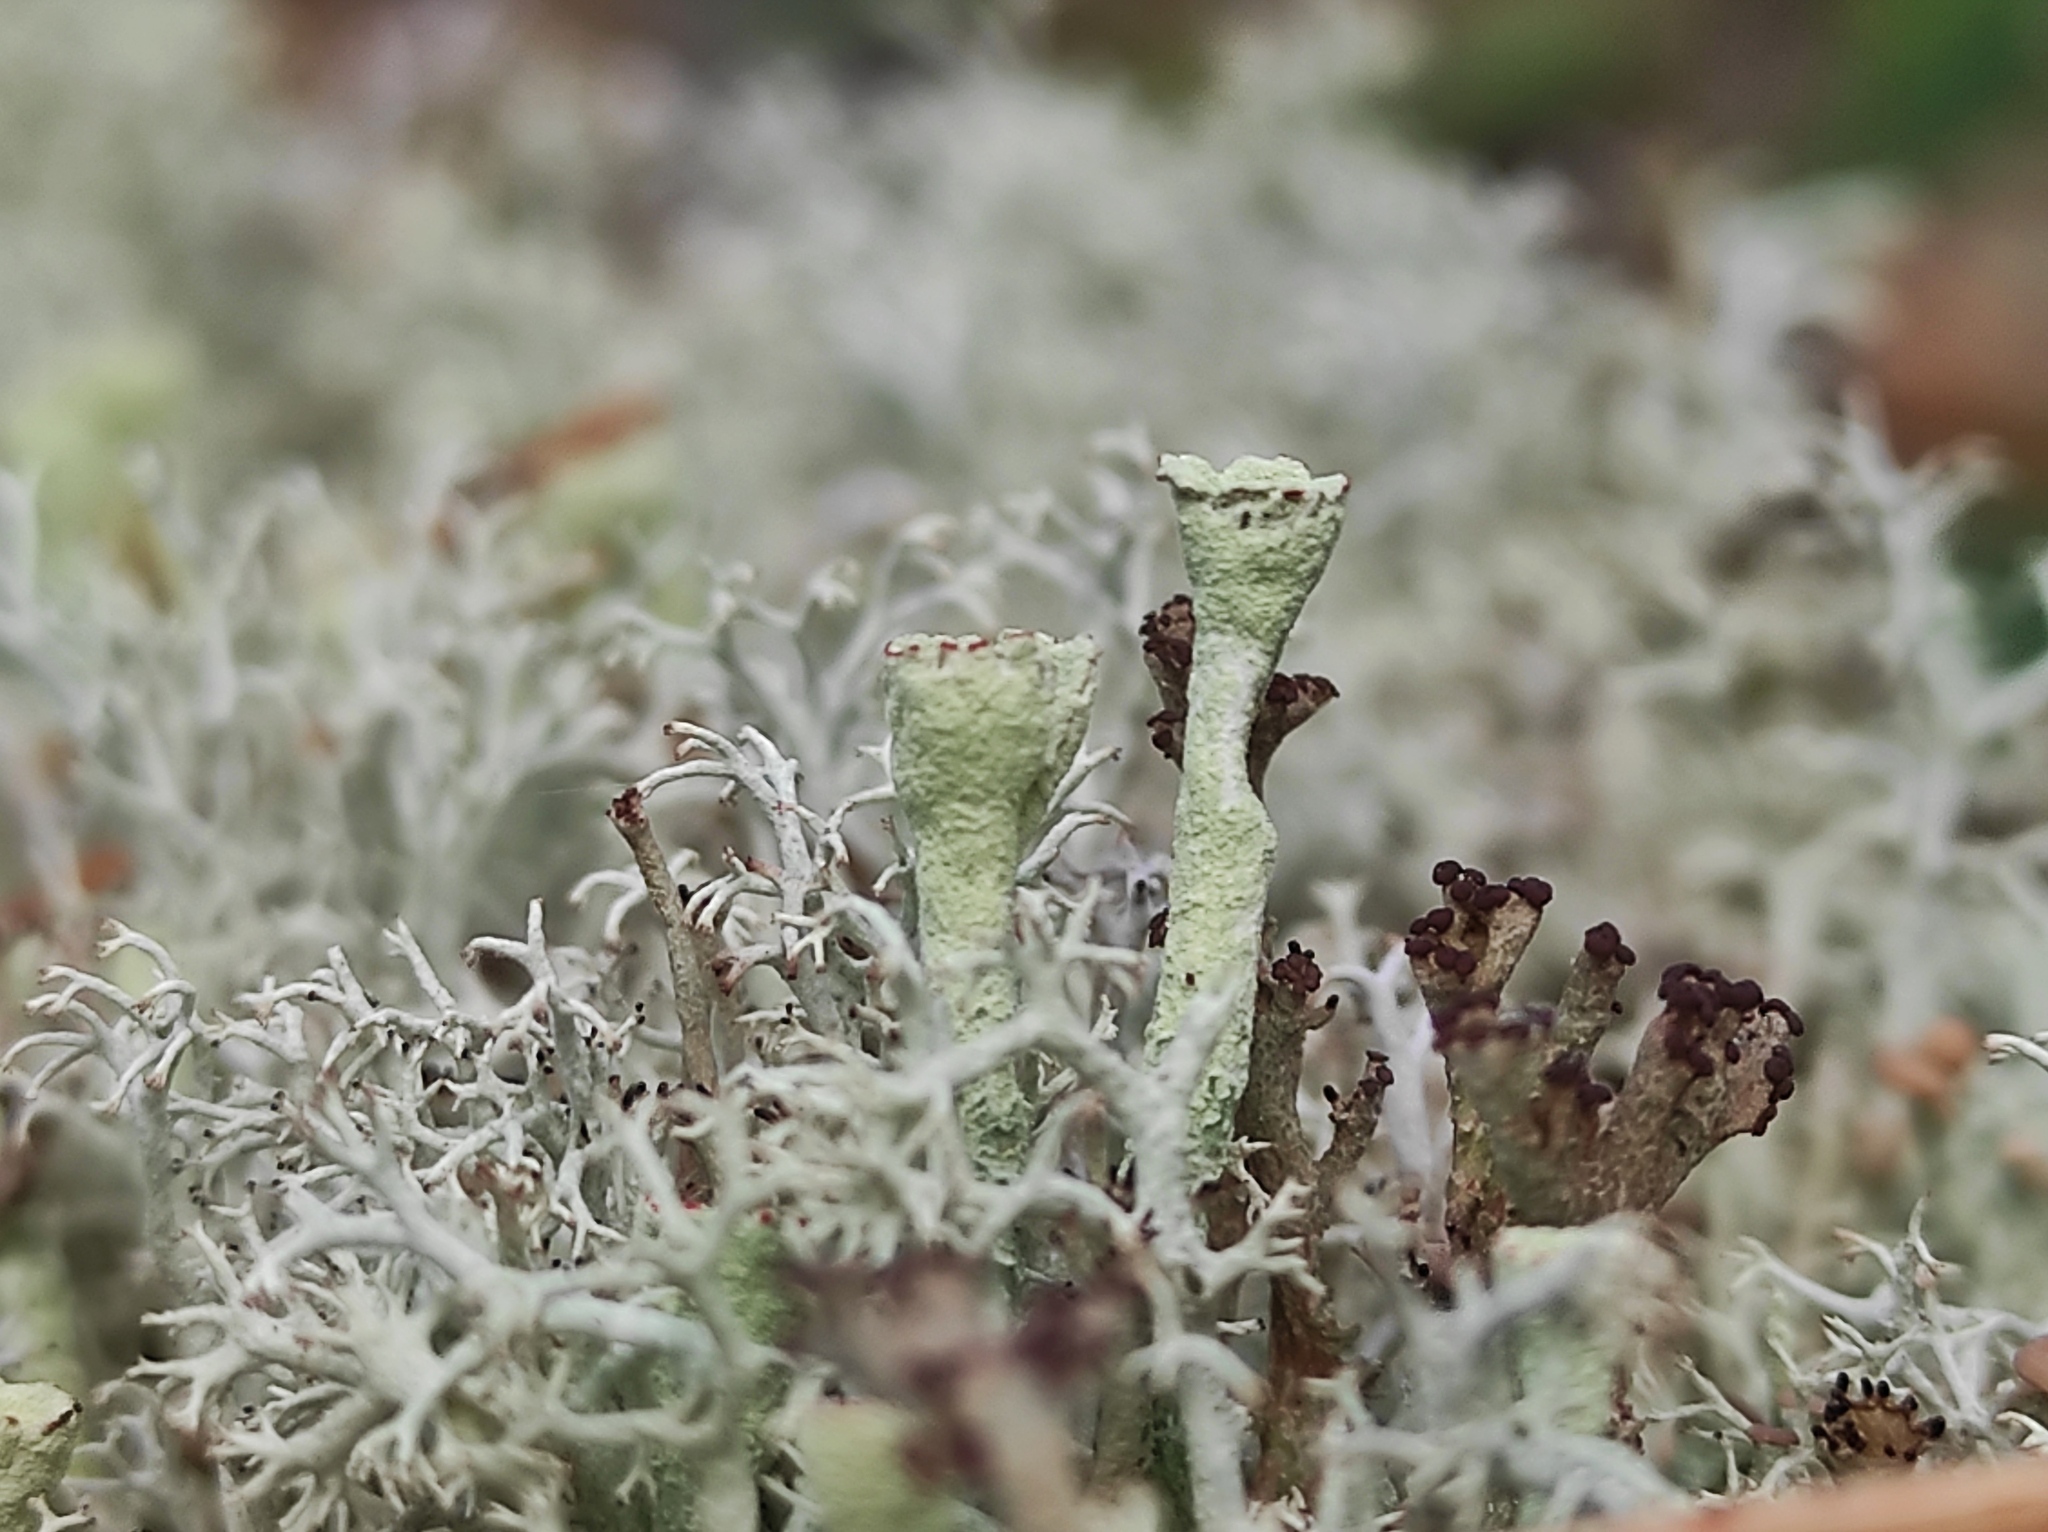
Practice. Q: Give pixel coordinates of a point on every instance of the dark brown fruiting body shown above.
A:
(1867, 1425)
(1539, 1138)
(1167, 636)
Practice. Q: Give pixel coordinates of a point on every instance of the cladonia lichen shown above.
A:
(871, 1206)
(982, 733)
(39, 1426)
(1256, 537)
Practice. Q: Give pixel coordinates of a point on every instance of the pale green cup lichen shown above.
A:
(39, 1427)
(981, 731)
(1256, 537)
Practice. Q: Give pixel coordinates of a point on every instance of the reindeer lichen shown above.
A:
(870, 1207)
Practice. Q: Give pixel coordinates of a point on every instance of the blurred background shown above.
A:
(355, 354)
(353, 232)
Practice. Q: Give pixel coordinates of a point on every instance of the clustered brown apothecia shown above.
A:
(1545, 1135)
(1695, 999)
(1869, 1424)
(1456, 936)
(1168, 636)
(1266, 1114)
(1168, 641)
(1296, 969)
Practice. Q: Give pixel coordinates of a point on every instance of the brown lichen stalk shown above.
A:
(1542, 1139)
(1305, 1339)
(693, 952)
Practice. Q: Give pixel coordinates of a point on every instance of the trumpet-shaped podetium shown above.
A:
(1256, 537)
(981, 733)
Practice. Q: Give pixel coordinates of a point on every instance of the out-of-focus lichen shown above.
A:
(855, 1466)
(39, 1428)
(1575, 1362)
(35, 1297)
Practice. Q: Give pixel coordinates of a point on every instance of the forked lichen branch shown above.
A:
(1541, 1138)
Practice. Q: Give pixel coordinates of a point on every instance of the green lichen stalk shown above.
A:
(1574, 1360)
(981, 732)
(1256, 537)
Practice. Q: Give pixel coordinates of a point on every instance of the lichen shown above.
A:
(1612, 604)
(854, 1466)
(1256, 537)
(40, 1426)
(982, 733)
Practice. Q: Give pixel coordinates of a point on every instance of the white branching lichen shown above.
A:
(618, 1203)
(530, 1254)
(565, 1237)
